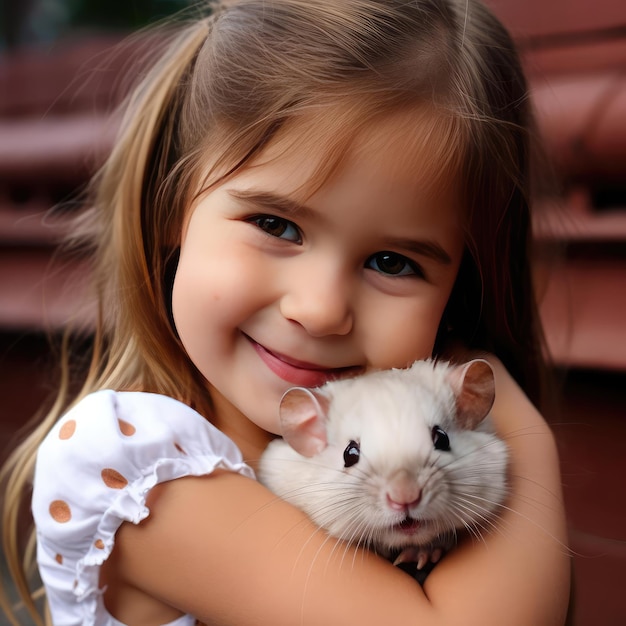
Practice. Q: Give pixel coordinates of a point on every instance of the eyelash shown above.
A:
(278, 226)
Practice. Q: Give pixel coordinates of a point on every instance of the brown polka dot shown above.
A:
(99, 544)
(75, 584)
(67, 430)
(113, 478)
(60, 511)
(126, 428)
(179, 448)
(59, 559)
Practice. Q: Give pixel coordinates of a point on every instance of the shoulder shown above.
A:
(139, 426)
(115, 446)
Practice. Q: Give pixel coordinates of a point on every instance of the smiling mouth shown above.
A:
(297, 372)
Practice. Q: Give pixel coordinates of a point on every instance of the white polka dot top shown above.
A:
(93, 472)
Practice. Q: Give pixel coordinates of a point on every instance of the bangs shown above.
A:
(428, 141)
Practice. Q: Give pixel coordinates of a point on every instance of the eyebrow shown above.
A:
(287, 206)
(272, 202)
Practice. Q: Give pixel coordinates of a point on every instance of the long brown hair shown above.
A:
(223, 86)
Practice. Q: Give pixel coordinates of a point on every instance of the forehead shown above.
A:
(417, 147)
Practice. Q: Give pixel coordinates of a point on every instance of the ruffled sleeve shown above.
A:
(94, 471)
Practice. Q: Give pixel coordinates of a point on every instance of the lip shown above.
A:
(297, 372)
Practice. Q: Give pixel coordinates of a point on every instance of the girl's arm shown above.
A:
(226, 550)
(523, 567)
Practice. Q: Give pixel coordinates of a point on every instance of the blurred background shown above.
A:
(58, 83)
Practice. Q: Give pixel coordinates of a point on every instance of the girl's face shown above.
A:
(274, 290)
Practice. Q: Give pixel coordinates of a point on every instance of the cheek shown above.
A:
(409, 342)
(214, 292)
(197, 291)
(201, 283)
(189, 306)
(408, 334)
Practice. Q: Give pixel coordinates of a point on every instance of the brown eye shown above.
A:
(277, 227)
(351, 454)
(441, 440)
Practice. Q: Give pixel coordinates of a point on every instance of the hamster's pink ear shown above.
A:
(475, 391)
(303, 420)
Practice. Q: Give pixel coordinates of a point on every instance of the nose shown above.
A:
(403, 502)
(403, 491)
(320, 303)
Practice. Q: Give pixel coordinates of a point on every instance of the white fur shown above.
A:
(391, 415)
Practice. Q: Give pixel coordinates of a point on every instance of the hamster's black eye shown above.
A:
(440, 439)
(351, 454)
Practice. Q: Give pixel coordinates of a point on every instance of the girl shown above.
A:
(301, 190)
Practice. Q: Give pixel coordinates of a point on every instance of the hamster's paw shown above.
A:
(419, 555)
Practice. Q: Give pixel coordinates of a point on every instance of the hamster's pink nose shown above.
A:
(404, 501)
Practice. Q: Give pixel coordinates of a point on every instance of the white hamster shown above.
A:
(394, 460)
